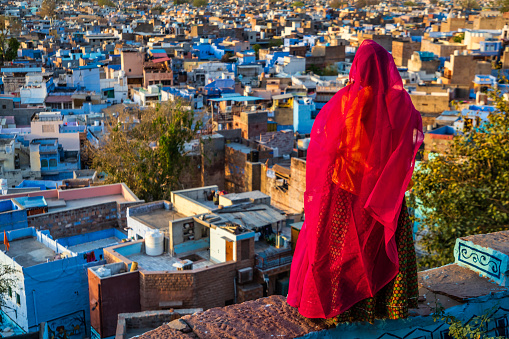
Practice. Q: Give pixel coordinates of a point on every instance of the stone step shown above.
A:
(486, 254)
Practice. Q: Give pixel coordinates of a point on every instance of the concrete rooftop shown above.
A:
(29, 252)
(57, 205)
(92, 245)
(159, 218)
(165, 261)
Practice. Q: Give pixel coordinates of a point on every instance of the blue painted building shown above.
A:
(12, 216)
(205, 49)
(87, 77)
(49, 156)
(245, 58)
(41, 184)
(272, 59)
(31, 53)
(52, 283)
(304, 113)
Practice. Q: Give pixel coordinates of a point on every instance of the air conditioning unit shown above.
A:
(245, 275)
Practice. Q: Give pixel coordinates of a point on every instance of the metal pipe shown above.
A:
(235, 290)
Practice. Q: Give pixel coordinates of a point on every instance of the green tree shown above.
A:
(146, 151)
(256, 48)
(468, 4)
(48, 8)
(180, 2)
(106, 3)
(8, 282)
(476, 327)
(298, 4)
(227, 57)
(336, 4)
(275, 42)
(409, 4)
(8, 47)
(157, 9)
(364, 3)
(502, 5)
(200, 3)
(459, 38)
(12, 49)
(314, 69)
(465, 190)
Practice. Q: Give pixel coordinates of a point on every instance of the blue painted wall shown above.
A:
(92, 236)
(195, 245)
(11, 217)
(129, 249)
(302, 116)
(56, 289)
(497, 307)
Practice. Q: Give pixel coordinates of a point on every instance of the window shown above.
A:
(67, 105)
(9, 291)
(18, 299)
(52, 162)
(129, 70)
(4, 107)
(44, 163)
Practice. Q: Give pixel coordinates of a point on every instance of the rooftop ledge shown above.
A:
(476, 284)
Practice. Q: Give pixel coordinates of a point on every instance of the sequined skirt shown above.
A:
(402, 293)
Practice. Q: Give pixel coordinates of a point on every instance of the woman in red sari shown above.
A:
(355, 257)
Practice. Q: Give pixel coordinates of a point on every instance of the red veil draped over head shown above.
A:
(363, 144)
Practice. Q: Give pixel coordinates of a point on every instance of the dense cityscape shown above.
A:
(153, 162)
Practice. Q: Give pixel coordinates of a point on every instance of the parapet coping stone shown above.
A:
(486, 254)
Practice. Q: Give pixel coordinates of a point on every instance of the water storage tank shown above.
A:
(3, 186)
(154, 243)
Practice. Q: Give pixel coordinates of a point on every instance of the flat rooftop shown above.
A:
(165, 261)
(239, 147)
(96, 244)
(57, 205)
(159, 218)
(244, 195)
(29, 252)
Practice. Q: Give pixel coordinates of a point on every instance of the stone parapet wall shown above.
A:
(76, 221)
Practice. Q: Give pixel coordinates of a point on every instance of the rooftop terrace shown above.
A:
(165, 262)
(29, 252)
(135, 252)
(60, 200)
(159, 218)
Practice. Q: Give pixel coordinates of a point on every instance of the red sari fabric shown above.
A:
(364, 142)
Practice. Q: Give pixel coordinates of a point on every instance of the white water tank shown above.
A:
(3, 186)
(154, 243)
